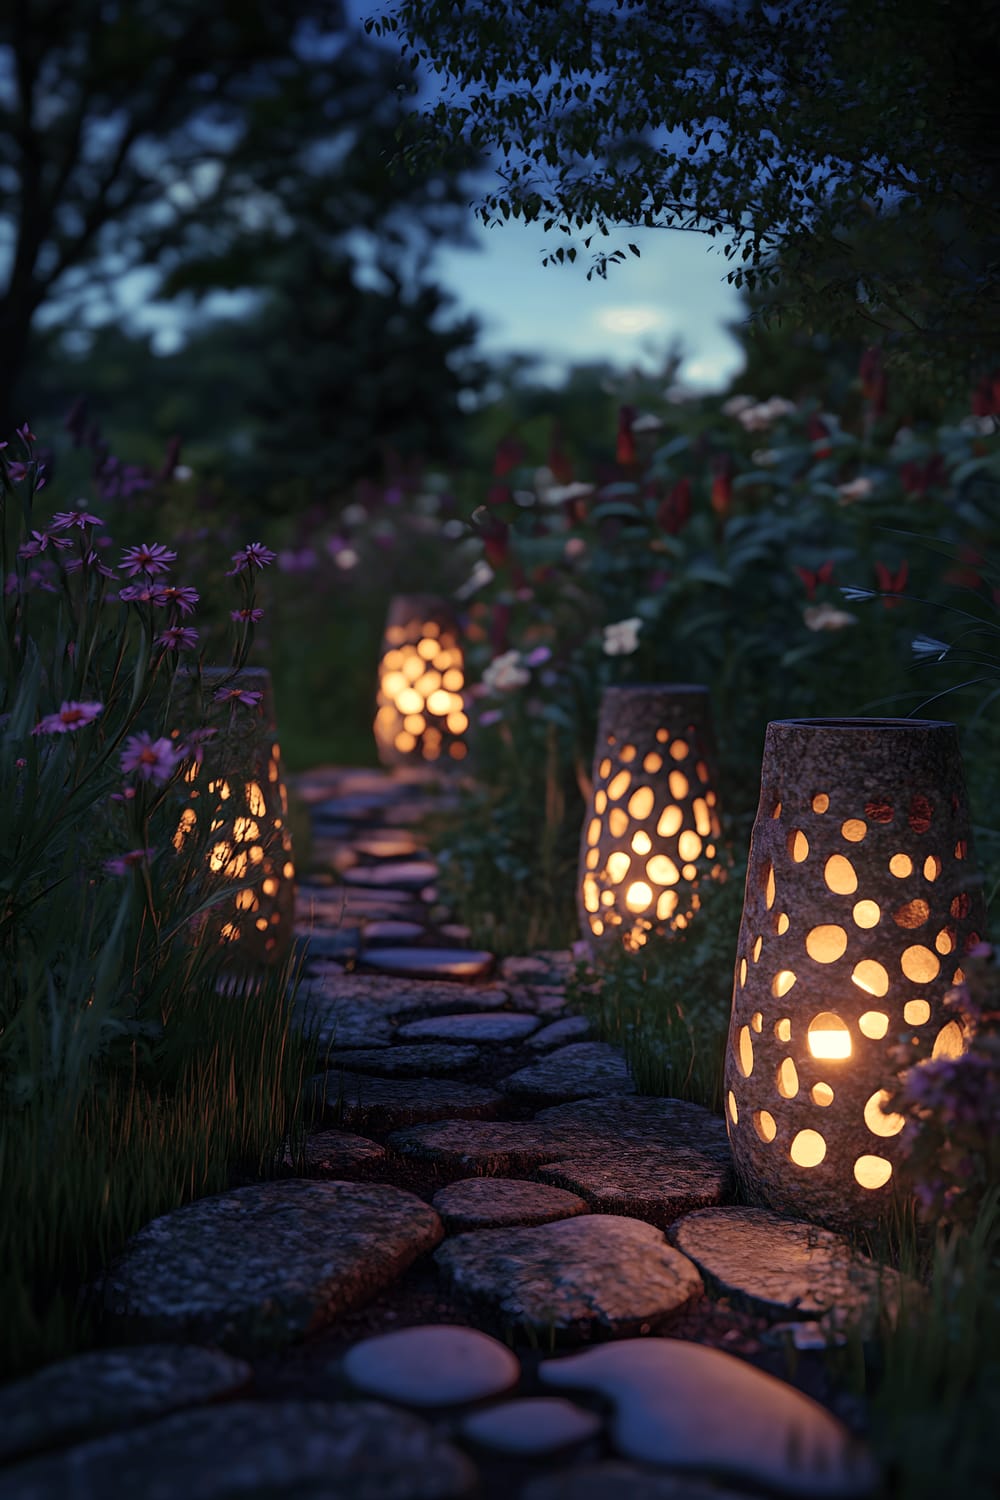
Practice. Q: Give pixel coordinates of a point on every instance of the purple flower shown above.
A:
(124, 863)
(491, 716)
(538, 657)
(16, 471)
(138, 593)
(64, 519)
(178, 638)
(253, 555)
(246, 616)
(193, 747)
(150, 558)
(303, 561)
(180, 597)
(25, 434)
(238, 695)
(70, 717)
(153, 760)
(39, 541)
(90, 562)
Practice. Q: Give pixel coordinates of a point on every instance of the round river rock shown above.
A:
(495, 1202)
(434, 1364)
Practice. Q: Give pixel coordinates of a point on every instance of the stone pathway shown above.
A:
(493, 1270)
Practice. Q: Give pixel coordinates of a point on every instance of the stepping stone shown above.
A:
(409, 1062)
(433, 1364)
(693, 1408)
(544, 1003)
(618, 1481)
(667, 1157)
(354, 1010)
(582, 1070)
(649, 1159)
(531, 1428)
(569, 1029)
(104, 1389)
(320, 943)
(456, 932)
(326, 1450)
(264, 1264)
(575, 1278)
(548, 966)
(391, 1103)
(431, 963)
(502, 1026)
(494, 1202)
(395, 874)
(387, 843)
(392, 931)
(780, 1266)
(337, 1153)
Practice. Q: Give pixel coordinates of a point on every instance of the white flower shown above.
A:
(647, 422)
(855, 489)
(481, 575)
(560, 492)
(544, 479)
(574, 548)
(622, 638)
(736, 404)
(827, 617)
(980, 426)
(757, 418)
(346, 558)
(928, 649)
(764, 457)
(505, 673)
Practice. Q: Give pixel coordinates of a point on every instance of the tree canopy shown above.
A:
(846, 151)
(199, 139)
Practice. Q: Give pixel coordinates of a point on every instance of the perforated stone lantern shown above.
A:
(652, 830)
(861, 900)
(421, 714)
(235, 818)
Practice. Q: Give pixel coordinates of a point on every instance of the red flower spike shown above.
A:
(818, 430)
(625, 446)
(508, 455)
(891, 583)
(722, 486)
(674, 510)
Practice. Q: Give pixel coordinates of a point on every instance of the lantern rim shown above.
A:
(861, 723)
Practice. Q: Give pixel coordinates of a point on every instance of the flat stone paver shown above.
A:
(388, 843)
(392, 1103)
(323, 1450)
(400, 875)
(535, 1427)
(501, 1026)
(105, 1389)
(338, 1153)
(693, 1408)
(388, 930)
(431, 963)
(355, 1010)
(622, 1481)
(430, 1365)
(495, 1202)
(578, 1071)
(261, 1265)
(574, 1278)
(559, 1033)
(427, 1059)
(780, 1266)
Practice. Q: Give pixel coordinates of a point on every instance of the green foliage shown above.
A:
(843, 146)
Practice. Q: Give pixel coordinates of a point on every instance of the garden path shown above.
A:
(493, 1269)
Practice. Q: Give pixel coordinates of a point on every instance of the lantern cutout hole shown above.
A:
(808, 1148)
(828, 1038)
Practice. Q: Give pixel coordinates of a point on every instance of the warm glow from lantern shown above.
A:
(639, 896)
(829, 1038)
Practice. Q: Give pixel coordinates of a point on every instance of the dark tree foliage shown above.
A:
(199, 137)
(848, 149)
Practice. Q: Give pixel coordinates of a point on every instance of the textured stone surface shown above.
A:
(388, 843)
(431, 963)
(651, 1159)
(558, 1033)
(392, 1103)
(546, 1004)
(580, 1071)
(354, 1010)
(690, 1407)
(503, 1026)
(432, 1364)
(547, 966)
(109, 1388)
(575, 1278)
(778, 1266)
(400, 875)
(338, 1153)
(492, 1202)
(621, 1481)
(390, 930)
(322, 1450)
(424, 1060)
(267, 1263)
(532, 1428)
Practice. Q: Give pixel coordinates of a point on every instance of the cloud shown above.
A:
(631, 320)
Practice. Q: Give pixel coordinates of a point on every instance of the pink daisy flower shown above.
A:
(64, 519)
(246, 616)
(38, 542)
(138, 593)
(150, 558)
(238, 695)
(180, 597)
(153, 760)
(193, 746)
(70, 717)
(178, 638)
(91, 563)
(254, 555)
(123, 863)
